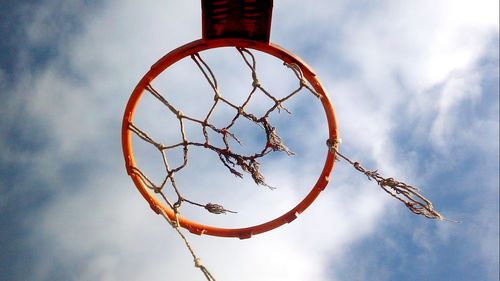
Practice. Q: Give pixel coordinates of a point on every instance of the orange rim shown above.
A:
(198, 46)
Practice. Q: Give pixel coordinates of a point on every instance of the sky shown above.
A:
(415, 85)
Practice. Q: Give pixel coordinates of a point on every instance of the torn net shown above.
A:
(236, 163)
(241, 164)
(409, 195)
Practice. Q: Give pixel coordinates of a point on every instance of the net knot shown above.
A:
(255, 83)
(197, 263)
(389, 182)
(303, 82)
(371, 174)
(217, 95)
(217, 209)
(175, 222)
(177, 205)
(358, 167)
(333, 144)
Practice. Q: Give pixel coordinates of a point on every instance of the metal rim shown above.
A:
(198, 46)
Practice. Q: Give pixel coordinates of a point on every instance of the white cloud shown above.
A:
(456, 91)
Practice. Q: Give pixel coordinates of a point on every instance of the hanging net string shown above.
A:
(407, 194)
(196, 259)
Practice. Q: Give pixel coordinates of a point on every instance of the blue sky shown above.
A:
(415, 86)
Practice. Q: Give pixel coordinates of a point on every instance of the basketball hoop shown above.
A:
(245, 26)
(194, 48)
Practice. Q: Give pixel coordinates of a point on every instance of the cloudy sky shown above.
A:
(415, 87)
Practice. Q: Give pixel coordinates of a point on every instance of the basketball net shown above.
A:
(241, 164)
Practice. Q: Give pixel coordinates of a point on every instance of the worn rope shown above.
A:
(238, 164)
(409, 195)
(196, 259)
